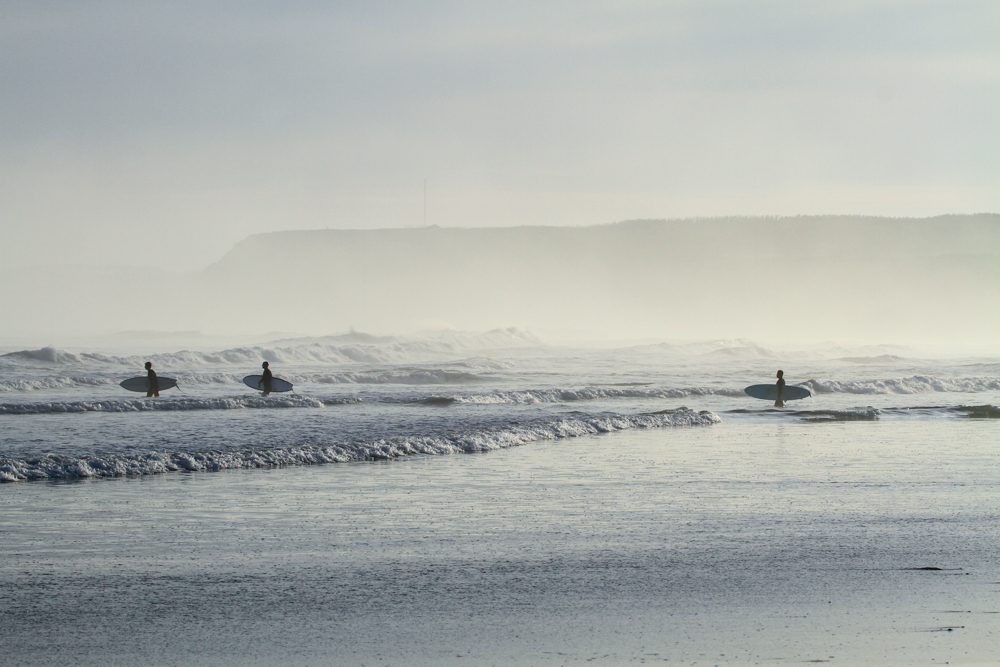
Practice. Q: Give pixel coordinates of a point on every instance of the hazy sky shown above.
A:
(162, 133)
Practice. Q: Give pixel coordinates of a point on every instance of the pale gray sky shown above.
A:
(163, 133)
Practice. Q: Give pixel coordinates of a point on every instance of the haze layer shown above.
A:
(800, 278)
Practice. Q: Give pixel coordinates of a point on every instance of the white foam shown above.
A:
(63, 382)
(351, 348)
(413, 377)
(530, 396)
(51, 466)
(48, 354)
(171, 404)
(916, 384)
(70, 381)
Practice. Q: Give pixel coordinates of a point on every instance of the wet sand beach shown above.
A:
(740, 543)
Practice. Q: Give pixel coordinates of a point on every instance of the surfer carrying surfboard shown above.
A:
(777, 392)
(265, 379)
(154, 384)
(267, 382)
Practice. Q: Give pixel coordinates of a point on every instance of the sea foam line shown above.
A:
(532, 396)
(915, 384)
(413, 377)
(483, 440)
(35, 384)
(173, 404)
(349, 348)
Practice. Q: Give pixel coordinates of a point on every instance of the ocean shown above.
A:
(625, 504)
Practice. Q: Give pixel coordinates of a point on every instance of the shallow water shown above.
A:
(613, 506)
(63, 415)
(743, 542)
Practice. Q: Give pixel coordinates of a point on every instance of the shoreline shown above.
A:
(743, 543)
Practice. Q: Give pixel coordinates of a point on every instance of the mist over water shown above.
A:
(933, 281)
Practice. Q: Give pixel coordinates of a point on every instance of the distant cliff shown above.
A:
(808, 277)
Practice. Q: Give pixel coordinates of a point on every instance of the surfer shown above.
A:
(265, 379)
(154, 384)
(781, 385)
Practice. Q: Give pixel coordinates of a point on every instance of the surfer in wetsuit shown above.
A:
(781, 385)
(154, 384)
(265, 379)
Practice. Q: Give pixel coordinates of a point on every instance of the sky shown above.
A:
(160, 134)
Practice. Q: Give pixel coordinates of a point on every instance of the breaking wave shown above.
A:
(531, 396)
(66, 382)
(49, 354)
(172, 404)
(349, 348)
(916, 384)
(481, 440)
(409, 377)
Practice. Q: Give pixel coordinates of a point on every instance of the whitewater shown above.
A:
(490, 498)
(360, 397)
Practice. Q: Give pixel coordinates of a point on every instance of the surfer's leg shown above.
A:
(779, 403)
